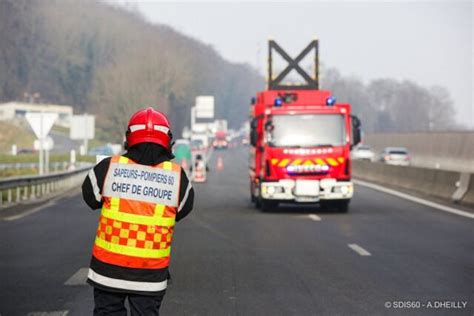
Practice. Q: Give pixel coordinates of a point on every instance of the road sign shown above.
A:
(48, 144)
(204, 106)
(186, 133)
(204, 113)
(82, 127)
(41, 123)
(200, 128)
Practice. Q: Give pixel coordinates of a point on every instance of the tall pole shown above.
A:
(41, 140)
(86, 136)
(193, 118)
(270, 62)
(316, 63)
(46, 160)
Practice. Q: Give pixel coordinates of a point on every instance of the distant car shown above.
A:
(25, 151)
(363, 152)
(101, 151)
(395, 156)
(197, 144)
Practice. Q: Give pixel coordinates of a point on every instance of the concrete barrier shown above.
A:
(463, 186)
(440, 184)
(435, 150)
(468, 199)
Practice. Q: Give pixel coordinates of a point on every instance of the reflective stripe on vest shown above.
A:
(127, 285)
(134, 232)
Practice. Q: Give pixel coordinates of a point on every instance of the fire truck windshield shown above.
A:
(311, 130)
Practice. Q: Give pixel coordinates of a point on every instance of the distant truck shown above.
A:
(221, 136)
(301, 140)
(220, 140)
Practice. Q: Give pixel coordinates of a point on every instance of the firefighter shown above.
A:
(141, 195)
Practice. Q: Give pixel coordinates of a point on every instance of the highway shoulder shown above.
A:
(426, 200)
(25, 208)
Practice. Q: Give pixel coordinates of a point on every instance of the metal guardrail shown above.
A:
(16, 189)
(56, 166)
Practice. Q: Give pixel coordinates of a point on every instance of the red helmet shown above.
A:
(149, 126)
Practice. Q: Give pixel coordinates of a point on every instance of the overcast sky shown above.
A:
(430, 43)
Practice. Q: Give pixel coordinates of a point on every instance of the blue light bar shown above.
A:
(307, 169)
(278, 102)
(331, 101)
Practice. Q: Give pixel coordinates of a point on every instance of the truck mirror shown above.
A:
(253, 100)
(356, 130)
(253, 132)
(253, 123)
(253, 137)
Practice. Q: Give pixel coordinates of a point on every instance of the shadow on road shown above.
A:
(296, 209)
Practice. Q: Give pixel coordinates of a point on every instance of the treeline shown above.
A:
(388, 105)
(109, 61)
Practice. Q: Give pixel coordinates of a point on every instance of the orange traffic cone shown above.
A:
(220, 163)
(199, 175)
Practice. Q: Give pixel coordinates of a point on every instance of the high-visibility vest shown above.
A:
(138, 214)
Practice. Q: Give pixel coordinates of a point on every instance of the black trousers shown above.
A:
(113, 304)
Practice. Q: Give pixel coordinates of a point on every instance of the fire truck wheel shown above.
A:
(252, 197)
(258, 203)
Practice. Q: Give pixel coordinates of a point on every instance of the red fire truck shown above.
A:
(220, 137)
(220, 140)
(301, 140)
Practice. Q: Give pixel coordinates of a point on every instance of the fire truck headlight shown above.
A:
(344, 189)
(271, 190)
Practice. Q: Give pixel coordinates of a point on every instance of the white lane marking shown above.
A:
(78, 278)
(54, 313)
(314, 217)
(418, 200)
(32, 211)
(361, 251)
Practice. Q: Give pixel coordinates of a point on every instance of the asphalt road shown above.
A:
(231, 259)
